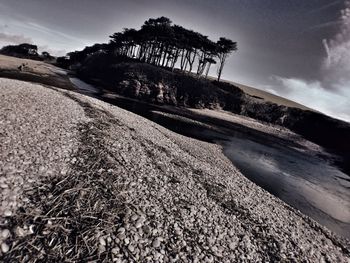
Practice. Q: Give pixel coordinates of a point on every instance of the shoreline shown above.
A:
(156, 167)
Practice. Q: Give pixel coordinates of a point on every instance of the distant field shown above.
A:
(8, 63)
(267, 96)
(270, 97)
(33, 71)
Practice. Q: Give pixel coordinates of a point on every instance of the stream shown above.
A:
(306, 182)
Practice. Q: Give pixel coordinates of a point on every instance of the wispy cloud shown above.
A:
(313, 95)
(323, 25)
(49, 31)
(42, 34)
(326, 6)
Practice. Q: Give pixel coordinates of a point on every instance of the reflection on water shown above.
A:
(305, 182)
(84, 87)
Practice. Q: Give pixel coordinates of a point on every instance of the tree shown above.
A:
(210, 62)
(163, 44)
(23, 50)
(46, 55)
(224, 48)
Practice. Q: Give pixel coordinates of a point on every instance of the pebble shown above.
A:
(4, 247)
(146, 230)
(134, 217)
(7, 213)
(131, 248)
(137, 239)
(115, 250)
(178, 232)
(5, 233)
(121, 230)
(139, 223)
(20, 232)
(101, 248)
(232, 245)
(3, 186)
(156, 242)
(102, 241)
(121, 236)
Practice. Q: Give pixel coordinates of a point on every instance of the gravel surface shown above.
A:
(117, 187)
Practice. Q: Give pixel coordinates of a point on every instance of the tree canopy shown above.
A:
(23, 50)
(162, 43)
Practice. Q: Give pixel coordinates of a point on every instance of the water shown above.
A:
(84, 87)
(304, 181)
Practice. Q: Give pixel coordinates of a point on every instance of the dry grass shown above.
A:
(269, 96)
(68, 214)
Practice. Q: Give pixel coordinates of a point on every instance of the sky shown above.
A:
(297, 49)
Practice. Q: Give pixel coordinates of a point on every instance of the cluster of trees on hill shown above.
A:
(161, 43)
(25, 50)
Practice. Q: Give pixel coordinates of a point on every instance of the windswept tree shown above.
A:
(210, 62)
(163, 44)
(46, 55)
(22, 50)
(224, 48)
(207, 53)
(80, 56)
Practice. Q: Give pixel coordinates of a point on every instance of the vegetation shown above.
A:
(25, 50)
(163, 44)
(22, 50)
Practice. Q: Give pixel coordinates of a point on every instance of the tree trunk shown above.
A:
(206, 73)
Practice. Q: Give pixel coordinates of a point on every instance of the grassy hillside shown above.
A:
(269, 96)
(34, 71)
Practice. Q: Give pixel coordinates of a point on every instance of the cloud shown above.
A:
(326, 6)
(336, 66)
(52, 32)
(52, 51)
(329, 94)
(313, 95)
(14, 39)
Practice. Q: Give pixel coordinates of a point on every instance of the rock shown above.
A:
(178, 232)
(115, 250)
(31, 229)
(121, 236)
(131, 248)
(101, 248)
(4, 247)
(146, 230)
(121, 230)
(5, 233)
(139, 223)
(134, 217)
(232, 245)
(7, 213)
(156, 242)
(102, 241)
(3, 186)
(20, 232)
